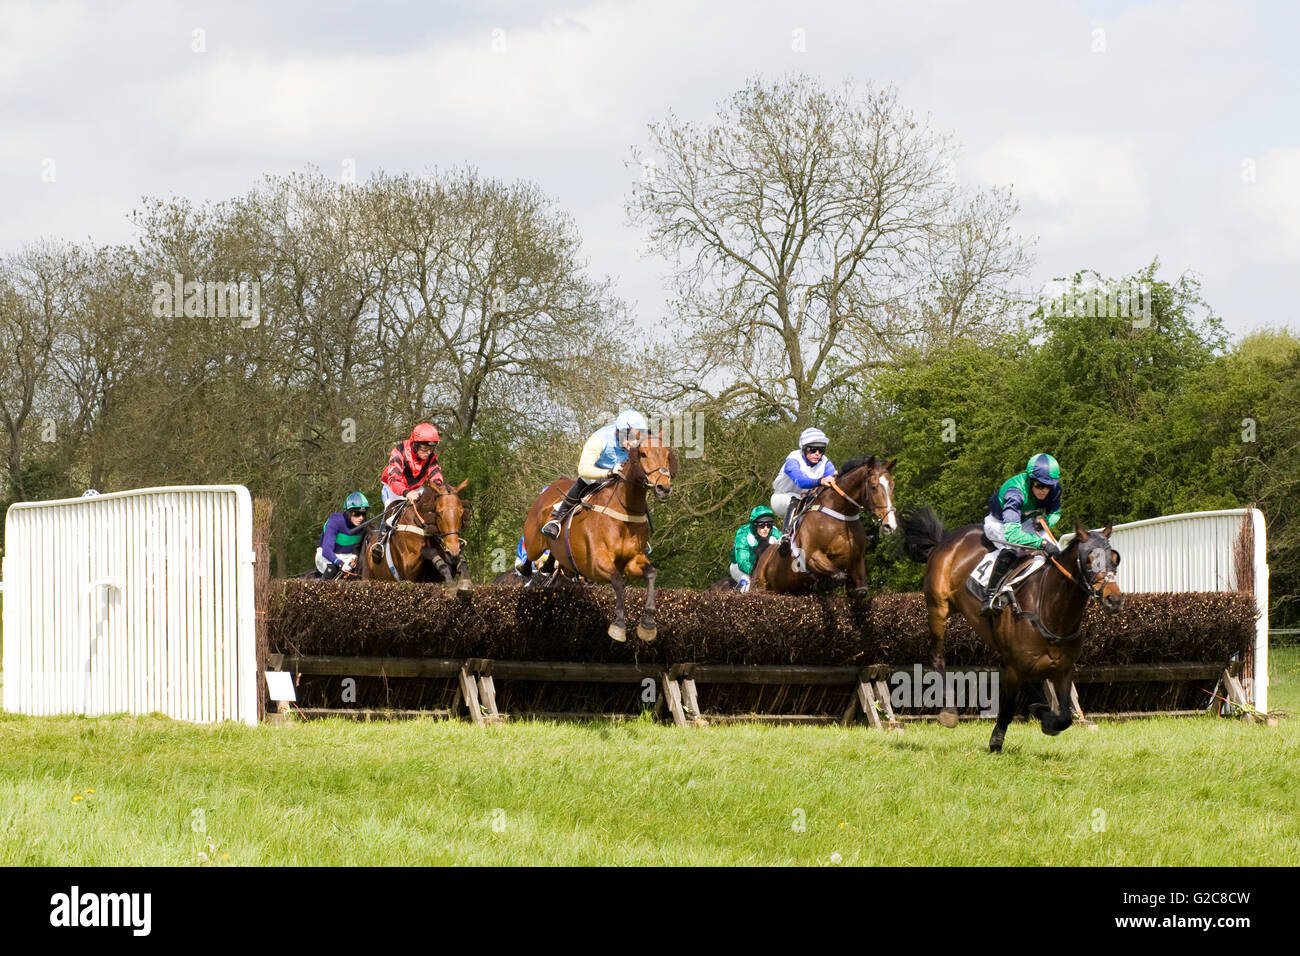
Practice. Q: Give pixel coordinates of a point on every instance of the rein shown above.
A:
(862, 509)
(625, 515)
(1098, 583)
(425, 529)
(1093, 593)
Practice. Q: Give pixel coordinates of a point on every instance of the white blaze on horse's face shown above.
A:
(890, 522)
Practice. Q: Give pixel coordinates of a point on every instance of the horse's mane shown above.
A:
(857, 463)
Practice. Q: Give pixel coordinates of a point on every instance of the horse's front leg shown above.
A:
(857, 583)
(646, 629)
(618, 628)
(938, 617)
(1054, 721)
(1008, 691)
(827, 573)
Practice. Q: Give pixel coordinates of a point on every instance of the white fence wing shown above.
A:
(133, 602)
(1197, 552)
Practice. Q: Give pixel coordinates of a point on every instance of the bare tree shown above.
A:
(817, 236)
(40, 293)
(486, 302)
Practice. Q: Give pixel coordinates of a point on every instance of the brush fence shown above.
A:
(365, 650)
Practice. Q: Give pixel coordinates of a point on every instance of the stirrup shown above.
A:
(993, 603)
(552, 528)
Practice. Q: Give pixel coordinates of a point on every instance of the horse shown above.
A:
(1037, 636)
(831, 534)
(607, 536)
(425, 544)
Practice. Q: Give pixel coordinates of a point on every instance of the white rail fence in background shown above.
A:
(134, 602)
(1197, 552)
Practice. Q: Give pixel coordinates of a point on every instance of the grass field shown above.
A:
(126, 791)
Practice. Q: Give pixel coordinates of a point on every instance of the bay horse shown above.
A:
(1037, 636)
(606, 537)
(831, 534)
(425, 544)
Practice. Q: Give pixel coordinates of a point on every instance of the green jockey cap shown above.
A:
(761, 511)
(356, 500)
(1043, 469)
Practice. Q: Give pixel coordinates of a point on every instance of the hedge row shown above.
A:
(568, 623)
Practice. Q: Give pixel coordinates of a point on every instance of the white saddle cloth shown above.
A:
(982, 571)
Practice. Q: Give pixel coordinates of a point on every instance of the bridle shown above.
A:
(649, 479)
(430, 529)
(863, 509)
(1092, 588)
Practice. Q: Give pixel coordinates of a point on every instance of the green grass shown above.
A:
(1153, 792)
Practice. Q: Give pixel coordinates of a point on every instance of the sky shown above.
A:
(1127, 131)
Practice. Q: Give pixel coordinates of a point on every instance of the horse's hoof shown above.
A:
(465, 584)
(618, 633)
(948, 718)
(995, 748)
(647, 633)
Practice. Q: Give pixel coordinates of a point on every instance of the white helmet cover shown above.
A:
(631, 419)
(812, 436)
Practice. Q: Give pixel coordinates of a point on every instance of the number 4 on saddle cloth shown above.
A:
(1028, 563)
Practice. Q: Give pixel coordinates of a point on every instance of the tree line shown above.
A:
(826, 269)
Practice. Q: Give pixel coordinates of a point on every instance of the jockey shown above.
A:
(521, 556)
(411, 465)
(752, 540)
(604, 452)
(1014, 512)
(804, 469)
(340, 540)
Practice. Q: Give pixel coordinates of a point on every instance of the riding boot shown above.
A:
(787, 539)
(1001, 568)
(562, 508)
(385, 529)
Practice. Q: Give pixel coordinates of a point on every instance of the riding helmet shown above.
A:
(424, 433)
(812, 438)
(1043, 469)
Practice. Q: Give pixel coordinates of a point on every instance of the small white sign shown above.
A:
(279, 684)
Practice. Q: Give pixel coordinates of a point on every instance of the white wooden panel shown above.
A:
(133, 602)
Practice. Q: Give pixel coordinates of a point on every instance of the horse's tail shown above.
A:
(922, 531)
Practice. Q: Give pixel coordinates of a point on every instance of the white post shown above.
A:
(1259, 686)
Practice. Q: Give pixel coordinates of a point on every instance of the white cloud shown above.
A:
(1270, 205)
(1071, 186)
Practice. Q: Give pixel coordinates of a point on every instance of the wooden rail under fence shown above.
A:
(781, 693)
